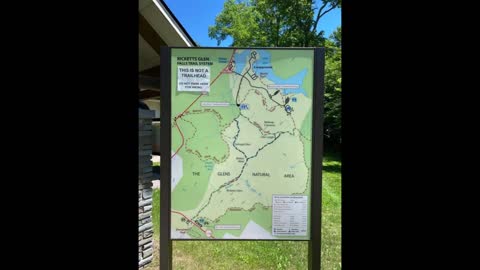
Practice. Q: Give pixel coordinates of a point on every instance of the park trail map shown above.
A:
(241, 132)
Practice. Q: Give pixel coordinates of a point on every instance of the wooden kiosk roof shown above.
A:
(157, 27)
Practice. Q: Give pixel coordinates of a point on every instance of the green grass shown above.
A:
(155, 164)
(200, 255)
(156, 212)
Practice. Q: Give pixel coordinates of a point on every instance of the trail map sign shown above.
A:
(243, 145)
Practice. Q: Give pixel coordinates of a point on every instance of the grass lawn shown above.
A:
(201, 255)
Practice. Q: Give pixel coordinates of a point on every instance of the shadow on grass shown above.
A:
(332, 168)
(332, 156)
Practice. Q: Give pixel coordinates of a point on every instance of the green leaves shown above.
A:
(333, 88)
(271, 23)
(237, 20)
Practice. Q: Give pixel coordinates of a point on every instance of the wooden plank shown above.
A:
(149, 34)
(144, 133)
(144, 140)
(147, 146)
(149, 82)
(144, 127)
(145, 153)
(146, 114)
(148, 94)
(153, 72)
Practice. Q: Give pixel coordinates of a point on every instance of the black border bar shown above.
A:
(315, 244)
(165, 149)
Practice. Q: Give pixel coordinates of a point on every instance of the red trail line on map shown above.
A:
(199, 96)
(191, 221)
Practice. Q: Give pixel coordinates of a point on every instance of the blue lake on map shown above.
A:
(264, 60)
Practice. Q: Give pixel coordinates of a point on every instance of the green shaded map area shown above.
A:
(241, 141)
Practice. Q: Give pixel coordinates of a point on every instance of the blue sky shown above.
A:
(196, 16)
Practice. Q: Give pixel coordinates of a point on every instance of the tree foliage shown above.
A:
(271, 23)
(333, 88)
(287, 23)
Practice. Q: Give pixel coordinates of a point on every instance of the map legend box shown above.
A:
(289, 217)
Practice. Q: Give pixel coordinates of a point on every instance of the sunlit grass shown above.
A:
(201, 255)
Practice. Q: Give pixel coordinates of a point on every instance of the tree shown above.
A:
(240, 21)
(271, 23)
(288, 23)
(333, 88)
